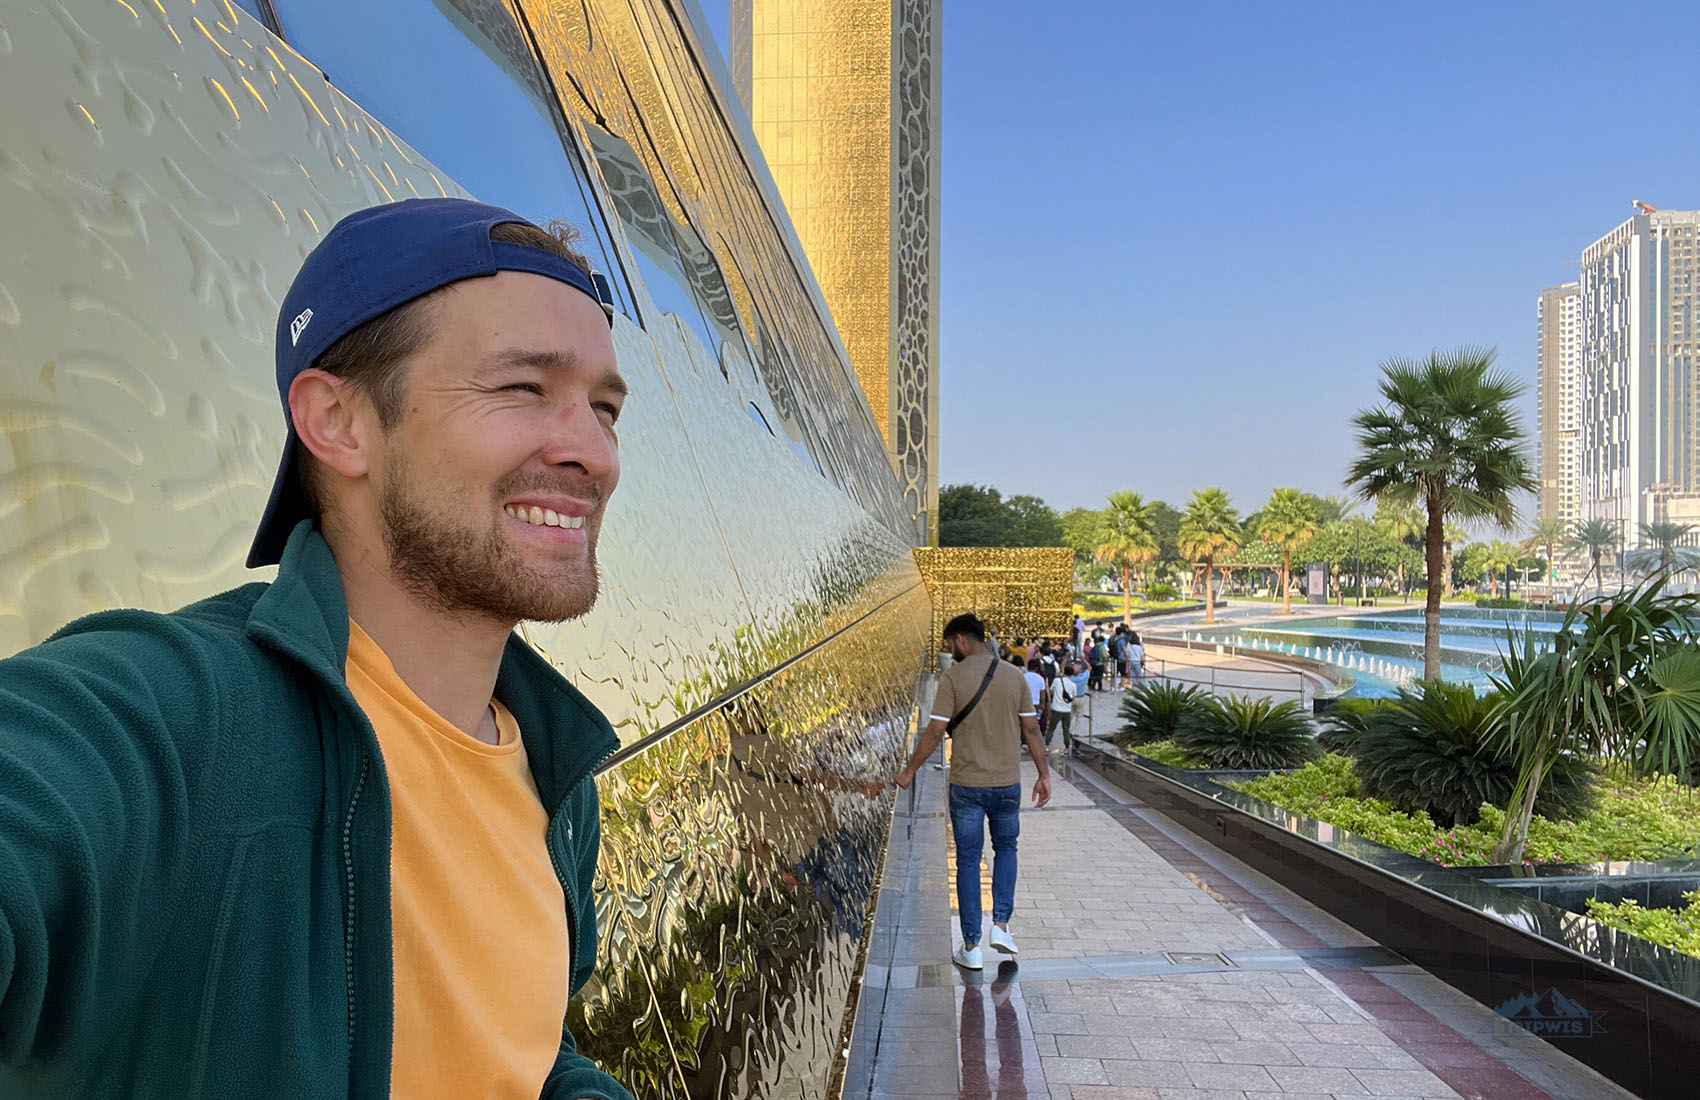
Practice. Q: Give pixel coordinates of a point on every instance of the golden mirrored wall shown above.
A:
(165, 166)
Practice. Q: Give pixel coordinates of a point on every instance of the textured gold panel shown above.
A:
(820, 102)
(623, 70)
(156, 201)
(164, 169)
(739, 855)
(1025, 591)
(843, 96)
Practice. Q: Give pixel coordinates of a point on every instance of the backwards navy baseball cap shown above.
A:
(368, 264)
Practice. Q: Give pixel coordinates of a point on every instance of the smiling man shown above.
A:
(335, 835)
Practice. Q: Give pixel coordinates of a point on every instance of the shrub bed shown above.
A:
(1154, 711)
(1165, 752)
(1643, 819)
(1678, 928)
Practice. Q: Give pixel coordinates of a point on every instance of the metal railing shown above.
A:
(1217, 680)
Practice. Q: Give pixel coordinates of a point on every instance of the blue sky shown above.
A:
(1178, 239)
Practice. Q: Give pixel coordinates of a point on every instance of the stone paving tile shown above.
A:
(1404, 1082)
(1256, 1053)
(1072, 1071)
(1229, 1075)
(1095, 1046)
(1110, 1092)
(1147, 1072)
(1314, 1079)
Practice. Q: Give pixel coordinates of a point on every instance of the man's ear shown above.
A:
(327, 414)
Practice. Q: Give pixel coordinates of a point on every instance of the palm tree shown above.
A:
(1334, 508)
(1400, 522)
(1594, 538)
(1288, 521)
(1448, 435)
(1547, 533)
(1665, 536)
(1129, 538)
(1452, 536)
(1499, 558)
(1209, 527)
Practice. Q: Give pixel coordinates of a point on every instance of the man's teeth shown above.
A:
(543, 517)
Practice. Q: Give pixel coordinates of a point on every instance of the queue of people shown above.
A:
(1060, 672)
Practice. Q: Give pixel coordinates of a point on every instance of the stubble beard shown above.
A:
(461, 570)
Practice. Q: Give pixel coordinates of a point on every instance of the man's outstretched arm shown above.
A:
(925, 746)
(94, 823)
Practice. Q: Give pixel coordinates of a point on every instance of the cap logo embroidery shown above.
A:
(297, 326)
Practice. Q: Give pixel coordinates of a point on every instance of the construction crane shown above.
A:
(1643, 207)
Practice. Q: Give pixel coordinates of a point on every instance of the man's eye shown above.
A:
(612, 410)
(525, 387)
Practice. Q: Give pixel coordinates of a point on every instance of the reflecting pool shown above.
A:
(1383, 650)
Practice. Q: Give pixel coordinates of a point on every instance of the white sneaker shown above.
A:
(1003, 941)
(967, 957)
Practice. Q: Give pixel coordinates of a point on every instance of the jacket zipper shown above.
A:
(348, 876)
(561, 876)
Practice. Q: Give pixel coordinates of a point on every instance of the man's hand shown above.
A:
(1041, 791)
(904, 778)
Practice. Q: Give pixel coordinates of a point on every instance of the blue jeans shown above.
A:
(972, 809)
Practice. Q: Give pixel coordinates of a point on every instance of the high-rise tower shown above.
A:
(1640, 389)
(1558, 315)
(844, 98)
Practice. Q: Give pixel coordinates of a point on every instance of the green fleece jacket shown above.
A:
(195, 851)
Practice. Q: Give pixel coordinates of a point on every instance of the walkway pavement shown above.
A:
(1154, 967)
(1227, 674)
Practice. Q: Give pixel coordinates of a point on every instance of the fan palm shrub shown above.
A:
(1343, 723)
(1437, 749)
(1154, 710)
(1254, 732)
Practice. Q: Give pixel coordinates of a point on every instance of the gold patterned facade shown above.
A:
(1020, 591)
(163, 169)
(844, 96)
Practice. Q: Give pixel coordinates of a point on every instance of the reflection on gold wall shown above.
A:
(176, 163)
(1025, 591)
(844, 98)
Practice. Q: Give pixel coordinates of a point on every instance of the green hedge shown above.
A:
(1641, 819)
(1678, 928)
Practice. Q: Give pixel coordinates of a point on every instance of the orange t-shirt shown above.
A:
(482, 956)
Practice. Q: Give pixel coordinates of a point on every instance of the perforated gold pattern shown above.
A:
(1022, 591)
(175, 164)
(844, 97)
(914, 417)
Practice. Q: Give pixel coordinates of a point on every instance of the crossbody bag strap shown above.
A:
(991, 671)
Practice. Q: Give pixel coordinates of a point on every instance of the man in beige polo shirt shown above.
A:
(985, 705)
